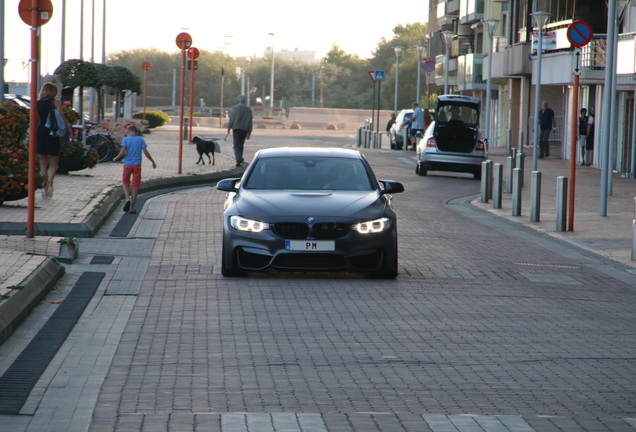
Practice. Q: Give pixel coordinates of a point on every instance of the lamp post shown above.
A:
(491, 26)
(615, 10)
(448, 39)
(271, 83)
(420, 51)
(540, 19)
(398, 51)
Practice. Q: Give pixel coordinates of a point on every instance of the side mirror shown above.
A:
(391, 186)
(227, 185)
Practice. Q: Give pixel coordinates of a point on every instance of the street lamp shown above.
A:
(448, 39)
(271, 83)
(540, 19)
(614, 14)
(398, 51)
(420, 51)
(491, 26)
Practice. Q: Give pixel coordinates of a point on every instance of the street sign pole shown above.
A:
(377, 127)
(579, 34)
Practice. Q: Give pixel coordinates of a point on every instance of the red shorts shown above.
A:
(133, 171)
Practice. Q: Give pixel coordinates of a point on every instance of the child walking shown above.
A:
(131, 149)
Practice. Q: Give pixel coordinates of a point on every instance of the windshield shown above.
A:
(309, 173)
(457, 113)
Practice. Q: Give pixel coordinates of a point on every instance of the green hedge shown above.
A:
(154, 118)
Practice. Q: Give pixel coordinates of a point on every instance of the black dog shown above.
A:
(205, 147)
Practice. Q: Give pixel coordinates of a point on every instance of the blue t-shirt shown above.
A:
(418, 119)
(134, 145)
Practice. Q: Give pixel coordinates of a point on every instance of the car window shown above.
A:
(457, 114)
(309, 173)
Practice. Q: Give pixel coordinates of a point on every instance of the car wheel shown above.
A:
(417, 167)
(477, 175)
(229, 271)
(393, 272)
(420, 169)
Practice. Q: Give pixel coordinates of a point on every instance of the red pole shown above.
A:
(35, 11)
(145, 90)
(573, 149)
(183, 65)
(191, 97)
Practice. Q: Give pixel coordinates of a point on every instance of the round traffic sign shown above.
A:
(145, 66)
(44, 13)
(193, 53)
(184, 41)
(580, 33)
(428, 65)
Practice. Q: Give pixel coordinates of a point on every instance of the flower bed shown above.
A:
(75, 156)
(117, 128)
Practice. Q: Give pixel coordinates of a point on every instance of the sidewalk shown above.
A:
(85, 199)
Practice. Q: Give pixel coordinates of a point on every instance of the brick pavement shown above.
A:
(183, 265)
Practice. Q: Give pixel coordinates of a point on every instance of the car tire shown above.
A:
(477, 175)
(417, 167)
(420, 169)
(227, 271)
(386, 273)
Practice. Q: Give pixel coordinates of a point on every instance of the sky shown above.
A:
(239, 28)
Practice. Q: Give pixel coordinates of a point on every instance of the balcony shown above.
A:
(447, 12)
(470, 72)
(471, 11)
(440, 72)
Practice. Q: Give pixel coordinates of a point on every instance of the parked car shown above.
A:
(396, 134)
(453, 141)
(310, 209)
(20, 100)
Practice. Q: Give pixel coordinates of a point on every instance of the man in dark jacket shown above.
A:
(241, 125)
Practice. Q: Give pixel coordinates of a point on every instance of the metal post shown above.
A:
(509, 141)
(510, 169)
(561, 204)
(610, 68)
(489, 183)
(540, 18)
(634, 233)
(516, 191)
(535, 197)
(497, 189)
(520, 141)
(485, 168)
(520, 164)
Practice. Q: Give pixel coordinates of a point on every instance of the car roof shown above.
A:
(308, 151)
(457, 98)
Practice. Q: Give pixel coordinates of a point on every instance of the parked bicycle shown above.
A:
(100, 141)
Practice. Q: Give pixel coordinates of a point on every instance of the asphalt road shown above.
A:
(489, 326)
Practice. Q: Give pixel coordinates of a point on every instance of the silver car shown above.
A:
(453, 141)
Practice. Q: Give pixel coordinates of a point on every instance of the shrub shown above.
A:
(14, 123)
(74, 156)
(154, 118)
(14, 172)
(71, 115)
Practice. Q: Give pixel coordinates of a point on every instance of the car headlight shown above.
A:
(373, 226)
(244, 224)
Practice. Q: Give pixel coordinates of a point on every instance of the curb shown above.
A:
(36, 286)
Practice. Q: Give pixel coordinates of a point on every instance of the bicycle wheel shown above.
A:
(103, 144)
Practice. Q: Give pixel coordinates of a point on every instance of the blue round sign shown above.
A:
(580, 33)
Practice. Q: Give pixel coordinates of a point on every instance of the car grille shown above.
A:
(320, 231)
(313, 261)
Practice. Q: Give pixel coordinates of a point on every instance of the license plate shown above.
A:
(308, 245)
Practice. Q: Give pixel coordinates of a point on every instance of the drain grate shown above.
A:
(546, 265)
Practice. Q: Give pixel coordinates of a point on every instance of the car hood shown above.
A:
(273, 206)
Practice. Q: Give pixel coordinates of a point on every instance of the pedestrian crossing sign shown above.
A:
(379, 75)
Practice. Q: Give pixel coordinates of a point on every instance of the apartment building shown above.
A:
(513, 73)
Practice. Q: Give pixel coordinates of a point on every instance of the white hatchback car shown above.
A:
(453, 142)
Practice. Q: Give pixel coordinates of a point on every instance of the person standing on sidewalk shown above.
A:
(547, 124)
(132, 148)
(583, 134)
(241, 125)
(417, 124)
(589, 144)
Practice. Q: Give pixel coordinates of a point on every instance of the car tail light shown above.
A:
(431, 142)
(480, 146)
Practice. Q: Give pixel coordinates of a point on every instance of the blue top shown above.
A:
(134, 145)
(417, 119)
